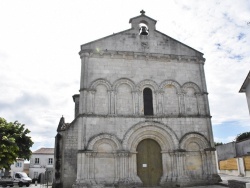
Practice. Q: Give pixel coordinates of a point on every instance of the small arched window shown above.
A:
(148, 101)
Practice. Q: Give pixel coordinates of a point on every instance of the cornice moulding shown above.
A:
(140, 56)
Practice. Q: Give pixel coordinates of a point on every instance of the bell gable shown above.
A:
(142, 36)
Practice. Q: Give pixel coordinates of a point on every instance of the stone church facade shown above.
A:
(142, 116)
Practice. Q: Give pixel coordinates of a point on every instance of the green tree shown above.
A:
(14, 143)
(218, 143)
(243, 136)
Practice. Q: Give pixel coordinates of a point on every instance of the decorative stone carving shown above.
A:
(191, 137)
(141, 55)
(117, 83)
(161, 133)
(171, 82)
(148, 83)
(113, 140)
(100, 81)
(192, 85)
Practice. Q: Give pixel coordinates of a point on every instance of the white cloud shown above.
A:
(225, 139)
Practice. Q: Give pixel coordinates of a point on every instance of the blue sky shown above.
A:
(227, 131)
(40, 65)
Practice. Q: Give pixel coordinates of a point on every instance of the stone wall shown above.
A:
(120, 125)
(226, 151)
(68, 156)
(243, 148)
(233, 158)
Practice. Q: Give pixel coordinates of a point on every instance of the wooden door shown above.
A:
(149, 162)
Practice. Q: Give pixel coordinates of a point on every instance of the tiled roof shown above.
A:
(44, 151)
(20, 159)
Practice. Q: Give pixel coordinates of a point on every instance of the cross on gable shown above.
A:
(142, 12)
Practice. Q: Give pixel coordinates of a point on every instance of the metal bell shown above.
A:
(143, 30)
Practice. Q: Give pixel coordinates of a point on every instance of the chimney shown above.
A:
(76, 100)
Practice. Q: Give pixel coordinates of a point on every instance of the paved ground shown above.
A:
(223, 184)
(33, 186)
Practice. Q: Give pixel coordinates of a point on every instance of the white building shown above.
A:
(18, 166)
(245, 88)
(41, 160)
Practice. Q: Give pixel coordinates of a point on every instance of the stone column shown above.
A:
(213, 162)
(211, 166)
(80, 166)
(133, 170)
(88, 165)
(140, 99)
(158, 110)
(204, 164)
(76, 99)
(136, 102)
(81, 133)
(83, 82)
(133, 164)
(212, 175)
(92, 165)
(124, 164)
(112, 101)
(180, 163)
(109, 101)
(204, 87)
(173, 166)
(164, 163)
(197, 95)
(85, 169)
(184, 103)
(92, 106)
(117, 162)
(181, 103)
(167, 166)
(115, 95)
(182, 177)
(161, 102)
(126, 171)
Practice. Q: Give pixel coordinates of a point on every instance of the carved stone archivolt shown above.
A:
(148, 83)
(194, 137)
(123, 81)
(97, 82)
(104, 138)
(159, 132)
(191, 85)
(172, 83)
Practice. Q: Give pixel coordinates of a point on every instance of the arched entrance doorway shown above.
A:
(149, 162)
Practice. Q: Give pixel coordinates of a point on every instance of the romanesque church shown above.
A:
(142, 116)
